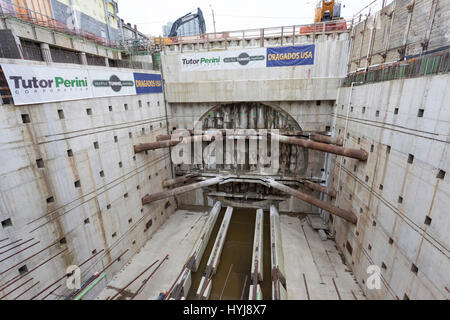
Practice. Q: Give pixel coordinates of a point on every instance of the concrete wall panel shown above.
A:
(408, 155)
(108, 194)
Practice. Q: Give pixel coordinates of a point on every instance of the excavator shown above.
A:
(328, 11)
(181, 21)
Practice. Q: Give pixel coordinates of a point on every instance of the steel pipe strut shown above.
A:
(171, 182)
(326, 139)
(344, 214)
(314, 186)
(171, 143)
(341, 151)
(177, 191)
(155, 145)
(163, 137)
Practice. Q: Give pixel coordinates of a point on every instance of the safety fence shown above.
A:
(432, 63)
(329, 27)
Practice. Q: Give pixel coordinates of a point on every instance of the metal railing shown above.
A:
(329, 27)
(60, 55)
(95, 60)
(31, 51)
(428, 64)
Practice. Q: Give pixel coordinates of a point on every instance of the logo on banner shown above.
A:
(200, 61)
(244, 59)
(59, 83)
(114, 83)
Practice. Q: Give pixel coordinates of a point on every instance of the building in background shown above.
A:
(166, 28)
(98, 18)
(71, 31)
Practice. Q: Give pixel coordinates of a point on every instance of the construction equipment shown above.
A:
(327, 18)
(327, 11)
(187, 18)
(180, 22)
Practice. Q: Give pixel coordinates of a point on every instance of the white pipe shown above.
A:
(258, 246)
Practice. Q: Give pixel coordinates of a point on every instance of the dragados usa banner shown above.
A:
(148, 83)
(290, 56)
(30, 84)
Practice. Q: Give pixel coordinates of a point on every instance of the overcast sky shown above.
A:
(151, 15)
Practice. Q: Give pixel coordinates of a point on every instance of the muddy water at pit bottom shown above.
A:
(237, 252)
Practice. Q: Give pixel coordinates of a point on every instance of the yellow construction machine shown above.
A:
(327, 18)
(328, 11)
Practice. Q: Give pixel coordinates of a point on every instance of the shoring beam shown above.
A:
(347, 215)
(177, 191)
(344, 214)
(320, 143)
(171, 182)
(329, 148)
(326, 139)
(163, 137)
(249, 133)
(316, 187)
(170, 143)
(155, 145)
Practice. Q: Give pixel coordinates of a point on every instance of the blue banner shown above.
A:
(290, 56)
(148, 83)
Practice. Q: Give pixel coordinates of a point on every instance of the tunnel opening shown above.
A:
(293, 160)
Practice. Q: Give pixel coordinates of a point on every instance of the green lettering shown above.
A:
(67, 83)
(59, 81)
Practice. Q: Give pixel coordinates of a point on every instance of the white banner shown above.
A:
(35, 84)
(223, 60)
(108, 83)
(40, 84)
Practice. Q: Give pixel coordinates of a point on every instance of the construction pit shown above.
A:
(323, 176)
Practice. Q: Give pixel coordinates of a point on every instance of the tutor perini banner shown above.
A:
(42, 84)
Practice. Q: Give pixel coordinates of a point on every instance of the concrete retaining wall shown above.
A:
(55, 184)
(402, 193)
